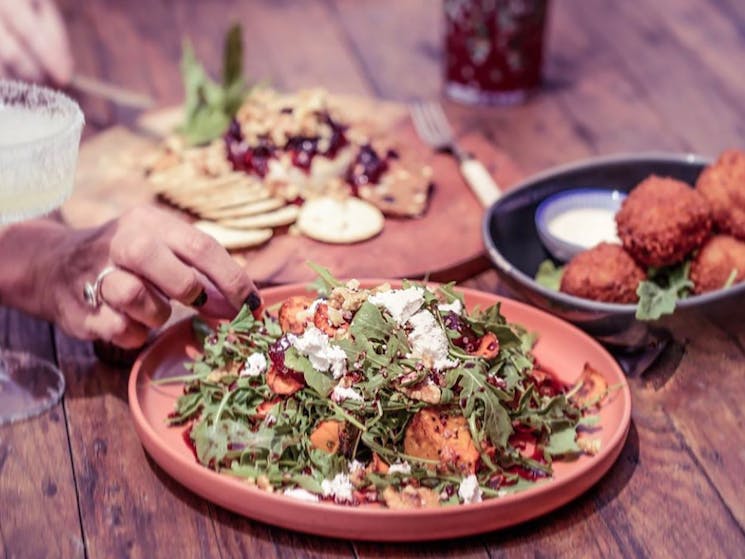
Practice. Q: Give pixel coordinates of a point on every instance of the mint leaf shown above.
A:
(232, 57)
(209, 106)
(549, 275)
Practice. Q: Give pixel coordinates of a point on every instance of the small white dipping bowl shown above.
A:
(571, 221)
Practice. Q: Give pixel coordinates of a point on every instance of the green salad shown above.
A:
(395, 397)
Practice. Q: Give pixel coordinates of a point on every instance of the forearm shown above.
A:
(27, 256)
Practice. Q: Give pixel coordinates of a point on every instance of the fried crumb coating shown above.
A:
(723, 186)
(662, 221)
(722, 257)
(603, 273)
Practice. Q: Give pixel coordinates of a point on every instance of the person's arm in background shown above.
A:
(157, 256)
(34, 45)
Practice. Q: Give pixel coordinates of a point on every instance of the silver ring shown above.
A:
(92, 291)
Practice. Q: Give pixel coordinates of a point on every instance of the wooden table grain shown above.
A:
(620, 77)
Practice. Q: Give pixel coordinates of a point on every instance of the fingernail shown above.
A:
(200, 300)
(253, 301)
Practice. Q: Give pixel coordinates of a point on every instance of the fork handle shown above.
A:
(480, 180)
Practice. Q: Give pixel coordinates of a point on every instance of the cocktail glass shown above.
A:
(493, 49)
(39, 137)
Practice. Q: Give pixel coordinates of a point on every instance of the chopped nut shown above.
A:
(410, 498)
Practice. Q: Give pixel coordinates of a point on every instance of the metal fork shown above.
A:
(433, 128)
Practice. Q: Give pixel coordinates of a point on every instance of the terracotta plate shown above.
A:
(561, 348)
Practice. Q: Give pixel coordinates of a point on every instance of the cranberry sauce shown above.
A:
(368, 167)
(338, 138)
(249, 159)
(302, 149)
(467, 338)
(277, 356)
(527, 443)
(186, 435)
(546, 382)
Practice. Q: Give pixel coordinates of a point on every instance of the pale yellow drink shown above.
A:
(39, 136)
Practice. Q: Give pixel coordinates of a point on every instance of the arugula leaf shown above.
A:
(209, 106)
(491, 320)
(318, 381)
(478, 397)
(659, 294)
(325, 281)
(563, 442)
(370, 323)
(549, 275)
(451, 293)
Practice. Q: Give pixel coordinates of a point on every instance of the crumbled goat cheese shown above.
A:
(429, 342)
(399, 468)
(340, 488)
(301, 495)
(456, 306)
(324, 356)
(340, 393)
(254, 365)
(355, 466)
(401, 303)
(469, 490)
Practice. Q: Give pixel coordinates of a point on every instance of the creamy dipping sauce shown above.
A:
(585, 227)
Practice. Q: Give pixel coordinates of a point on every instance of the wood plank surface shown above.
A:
(128, 506)
(36, 474)
(662, 75)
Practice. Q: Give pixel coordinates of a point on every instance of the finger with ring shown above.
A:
(92, 291)
(136, 298)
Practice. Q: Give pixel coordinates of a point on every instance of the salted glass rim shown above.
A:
(34, 96)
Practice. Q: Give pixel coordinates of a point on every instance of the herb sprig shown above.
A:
(209, 106)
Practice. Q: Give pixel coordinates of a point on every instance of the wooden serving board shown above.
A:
(444, 244)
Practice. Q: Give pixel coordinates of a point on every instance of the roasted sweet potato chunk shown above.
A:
(263, 408)
(436, 435)
(327, 436)
(283, 384)
(488, 346)
(329, 321)
(293, 314)
(377, 465)
(594, 387)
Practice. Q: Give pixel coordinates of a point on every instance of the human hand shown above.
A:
(157, 257)
(33, 42)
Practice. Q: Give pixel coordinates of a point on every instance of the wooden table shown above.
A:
(621, 76)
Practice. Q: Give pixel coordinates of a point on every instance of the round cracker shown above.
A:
(330, 220)
(233, 239)
(276, 218)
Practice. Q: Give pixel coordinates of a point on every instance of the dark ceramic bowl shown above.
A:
(515, 248)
